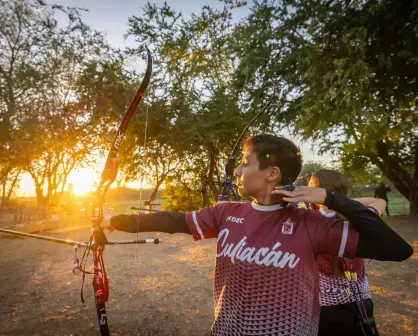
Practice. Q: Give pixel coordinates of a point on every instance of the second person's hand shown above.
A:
(302, 194)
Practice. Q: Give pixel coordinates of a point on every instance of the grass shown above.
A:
(398, 205)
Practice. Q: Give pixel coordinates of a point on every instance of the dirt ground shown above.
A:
(161, 289)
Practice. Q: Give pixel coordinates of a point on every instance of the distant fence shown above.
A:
(24, 216)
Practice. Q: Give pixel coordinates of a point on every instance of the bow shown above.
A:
(229, 188)
(98, 239)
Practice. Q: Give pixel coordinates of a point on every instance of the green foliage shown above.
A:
(205, 109)
(311, 166)
(180, 198)
(348, 74)
(366, 175)
(307, 169)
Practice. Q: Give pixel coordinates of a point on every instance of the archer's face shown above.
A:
(250, 180)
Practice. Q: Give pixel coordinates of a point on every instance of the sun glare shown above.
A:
(27, 186)
(83, 180)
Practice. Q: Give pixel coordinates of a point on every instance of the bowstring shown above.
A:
(139, 211)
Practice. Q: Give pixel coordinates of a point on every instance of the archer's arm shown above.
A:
(201, 224)
(376, 239)
(376, 203)
(164, 221)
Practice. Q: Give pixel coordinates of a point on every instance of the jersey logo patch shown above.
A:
(235, 220)
(287, 227)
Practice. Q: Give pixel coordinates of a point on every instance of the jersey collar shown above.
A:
(260, 207)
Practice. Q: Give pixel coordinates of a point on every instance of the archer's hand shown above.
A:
(105, 224)
(302, 194)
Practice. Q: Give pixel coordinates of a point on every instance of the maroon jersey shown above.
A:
(266, 277)
(332, 287)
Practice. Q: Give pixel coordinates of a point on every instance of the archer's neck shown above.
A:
(266, 198)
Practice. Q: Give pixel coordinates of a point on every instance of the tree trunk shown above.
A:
(41, 200)
(212, 169)
(6, 202)
(413, 206)
(205, 199)
(155, 190)
(407, 185)
(3, 194)
(208, 179)
(6, 194)
(413, 202)
(8, 114)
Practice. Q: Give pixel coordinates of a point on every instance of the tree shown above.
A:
(54, 146)
(365, 175)
(350, 73)
(157, 162)
(8, 184)
(180, 197)
(24, 28)
(60, 91)
(195, 68)
(307, 169)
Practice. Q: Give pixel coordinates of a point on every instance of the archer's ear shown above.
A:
(274, 175)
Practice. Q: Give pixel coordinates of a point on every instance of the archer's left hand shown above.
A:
(105, 224)
(302, 194)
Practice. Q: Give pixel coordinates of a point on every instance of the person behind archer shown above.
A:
(382, 192)
(266, 277)
(346, 306)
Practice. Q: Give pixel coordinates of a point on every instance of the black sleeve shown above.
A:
(164, 221)
(376, 239)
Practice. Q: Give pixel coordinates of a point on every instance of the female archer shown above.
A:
(346, 304)
(266, 276)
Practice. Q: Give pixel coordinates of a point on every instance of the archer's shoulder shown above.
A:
(231, 204)
(223, 207)
(310, 214)
(321, 216)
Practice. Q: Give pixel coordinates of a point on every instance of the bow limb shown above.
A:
(111, 166)
(229, 187)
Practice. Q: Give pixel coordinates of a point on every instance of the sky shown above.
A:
(111, 17)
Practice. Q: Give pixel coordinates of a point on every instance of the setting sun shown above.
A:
(83, 180)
